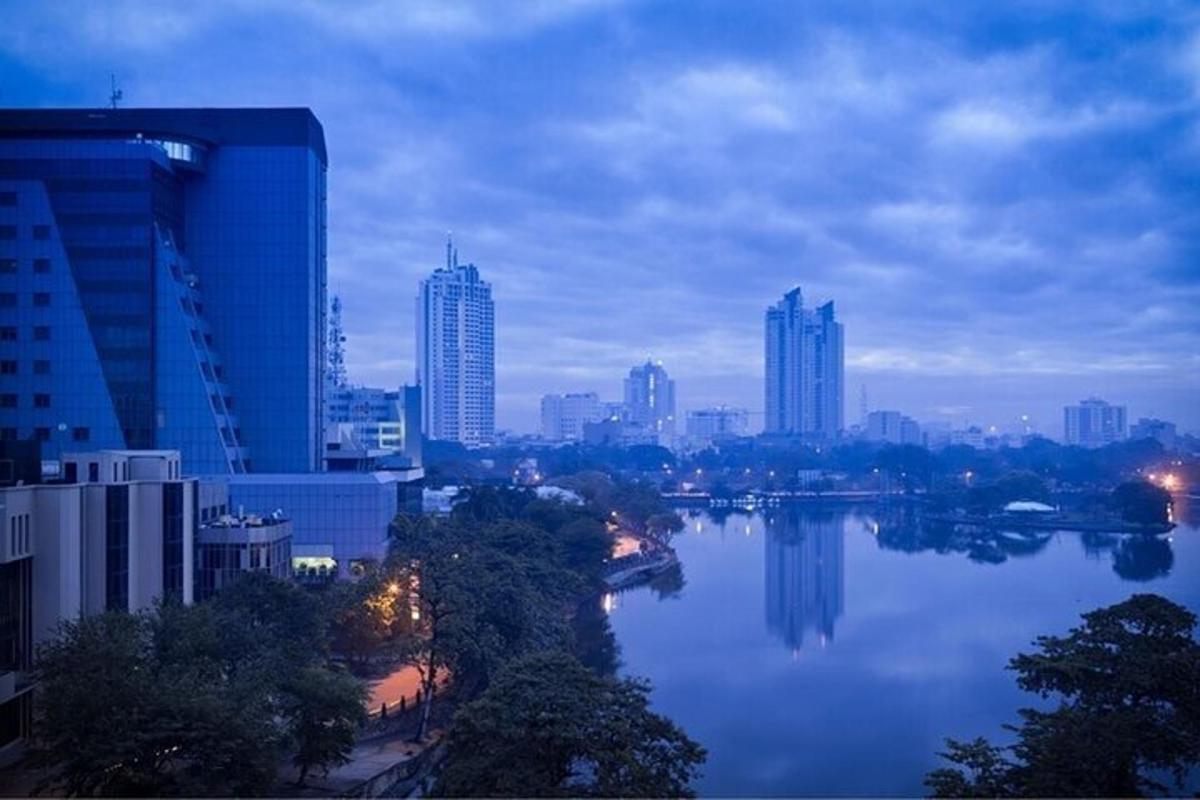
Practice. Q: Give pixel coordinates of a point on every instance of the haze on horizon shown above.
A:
(1002, 202)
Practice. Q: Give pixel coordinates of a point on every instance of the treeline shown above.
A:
(485, 596)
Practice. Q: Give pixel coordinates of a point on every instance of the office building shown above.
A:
(715, 424)
(892, 427)
(804, 369)
(564, 415)
(456, 354)
(650, 402)
(376, 419)
(339, 520)
(162, 283)
(116, 533)
(1160, 430)
(230, 546)
(1094, 423)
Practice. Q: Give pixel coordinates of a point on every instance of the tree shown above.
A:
(323, 710)
(1128, 683)
(1141, 502)
(548, 726)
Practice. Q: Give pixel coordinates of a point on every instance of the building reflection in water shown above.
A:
(804, 583)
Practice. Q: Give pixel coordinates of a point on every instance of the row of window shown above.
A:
(9, 299)
(9, 400)
(18, 534)
(9, 266)
(40, 232)
(9, 366)
(9, 333)
(43, 434)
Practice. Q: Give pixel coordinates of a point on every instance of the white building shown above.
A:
(375, 419)
(650, 402)
(804, 369)
(892, 427)
(564, 415)
(116, 533)
(713, 424)
(1094, 423)
(456, 354)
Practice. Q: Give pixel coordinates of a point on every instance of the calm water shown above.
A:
(829, 652)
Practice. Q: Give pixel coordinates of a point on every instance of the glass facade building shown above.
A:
(162, 283)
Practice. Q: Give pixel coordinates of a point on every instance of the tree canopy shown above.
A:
(1128, 687)
(550, 727)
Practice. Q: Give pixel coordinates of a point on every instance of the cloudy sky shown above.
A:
(1002, 199)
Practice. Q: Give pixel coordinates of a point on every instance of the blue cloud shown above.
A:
(1001, 199)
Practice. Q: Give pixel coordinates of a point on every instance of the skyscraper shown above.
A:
(162, 283)
(564, 415)
(650, 401)
(804, 360)
(1094, 423)
(456, 353)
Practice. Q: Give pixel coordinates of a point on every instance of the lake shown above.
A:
(829, 652)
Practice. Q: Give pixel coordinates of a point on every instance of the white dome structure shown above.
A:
(1028, 507)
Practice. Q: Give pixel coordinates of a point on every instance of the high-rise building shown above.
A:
(804, 361)
(1094, 423)
(564, 415)
(805, 575)
(892, 427)
(456, 354)
(650, 401)
(162, 283)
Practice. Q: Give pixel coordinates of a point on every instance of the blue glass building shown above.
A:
(162, 283)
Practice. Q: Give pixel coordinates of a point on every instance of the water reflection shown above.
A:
(902, 528)
(1135, 558)
(805, 565)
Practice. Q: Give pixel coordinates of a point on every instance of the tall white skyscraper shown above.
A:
(456, 347)
(805, 363)
(650, 401)
(1094, 423)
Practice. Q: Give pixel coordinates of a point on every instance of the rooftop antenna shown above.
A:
(449, 249)
(863, 401)
(117, 95)
(337, 351)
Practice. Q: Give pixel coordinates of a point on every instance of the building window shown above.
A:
(8, 400)
(8, 333)
(41, 367)
(8, 299)
(41, 265)
(93, 472)
(41, 333)
(8, 434)
(41, 434)
(172, 526)
(8, 367)
(81, 434)
(41, 232)
(41, 299)
(116, 548)
(8, 266)
(8, 199)
(8, 231)
(41, 401)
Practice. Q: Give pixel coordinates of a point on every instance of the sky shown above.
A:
(1001, 199)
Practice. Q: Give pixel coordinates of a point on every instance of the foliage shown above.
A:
(184, 700)
(548, 727)
(323, 709)
(1128, 683)
(1141, 502)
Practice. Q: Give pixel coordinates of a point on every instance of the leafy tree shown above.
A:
(1141, 502)
(1128, 683)
(548, 727)
(323, 710)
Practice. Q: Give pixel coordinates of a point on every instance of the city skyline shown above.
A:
(655, 185)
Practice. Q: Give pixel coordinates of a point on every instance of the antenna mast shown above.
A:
(337, 351)
(116, 94)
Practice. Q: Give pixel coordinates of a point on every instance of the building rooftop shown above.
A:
(212, 127)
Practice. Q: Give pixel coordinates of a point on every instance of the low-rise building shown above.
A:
(1160, 430)
(892, 427)
(230, 546)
